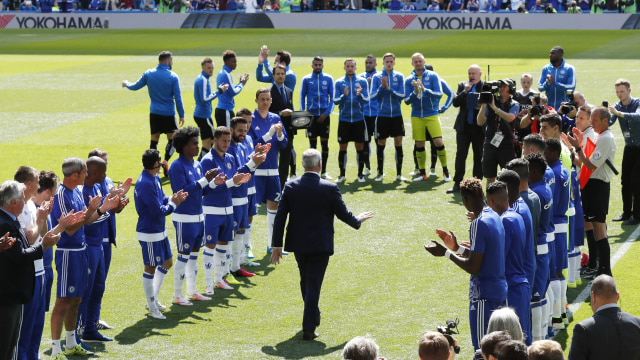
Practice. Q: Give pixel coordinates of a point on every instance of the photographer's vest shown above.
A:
(285, 8)
(495, 123)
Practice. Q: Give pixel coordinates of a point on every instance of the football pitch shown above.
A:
(62, 96)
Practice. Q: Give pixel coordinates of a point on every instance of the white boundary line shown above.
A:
(575, 305)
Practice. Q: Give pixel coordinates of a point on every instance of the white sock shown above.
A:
(55, 347)
(578, 265)
(158, 279)
(220, 262)
(191, 271)
(555, 287)
(571, 268)
(241, 235)
(563, 296)
(207, 264)
(536, 320)
(178, 274)
(237, 247)
(147, 286)
(247, 236)
(70, 336)
(271, 219)
(548, 309)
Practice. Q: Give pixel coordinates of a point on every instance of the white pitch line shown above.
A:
(575, 305)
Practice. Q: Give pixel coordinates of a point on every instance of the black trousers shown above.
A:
(312, 267)
(284, 160)
(474, 136)
(11, 320)
(630, 180)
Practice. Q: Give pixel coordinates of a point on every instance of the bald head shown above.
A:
(603, 292)
(96, 170)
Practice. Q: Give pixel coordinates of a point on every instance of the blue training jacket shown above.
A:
(152, 207)
(428, 104)
(259, 132)
(225, 100)
(203, 96)
(316, 94)
(389, 101)
(290, 79)
(351, 106)
(371, 106)
(565, 79)
(164, 88)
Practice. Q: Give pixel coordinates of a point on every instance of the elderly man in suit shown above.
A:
(282, 105)
(610, 333)
(310, 231)
(17, 274)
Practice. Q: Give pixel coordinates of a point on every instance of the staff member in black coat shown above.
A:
(610, 333)
(311, 204)
(467, 130)
(282, 104)
(17, 274)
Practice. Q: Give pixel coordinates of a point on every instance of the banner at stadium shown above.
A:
(338, 20)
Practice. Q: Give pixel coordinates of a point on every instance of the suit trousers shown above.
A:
(11, 320)
(284, 160)
(312, 267)
(474, 136)
(629, 179)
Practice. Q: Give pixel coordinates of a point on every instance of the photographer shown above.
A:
(569, 110)
(538, 108)
(498, 121)
(435, 346)
(574, 9)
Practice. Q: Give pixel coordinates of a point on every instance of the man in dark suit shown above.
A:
(17, 274)
(310, 231)
(610, 333)
(467, 130)
(282, 104)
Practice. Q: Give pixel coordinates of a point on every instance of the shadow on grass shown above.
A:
(624, 234)
(408, 187)
(296, 348)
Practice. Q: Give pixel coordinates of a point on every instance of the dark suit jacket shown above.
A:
(610, 334)
(278, 104)
(460, 100)
(17, 274)
(311, 203)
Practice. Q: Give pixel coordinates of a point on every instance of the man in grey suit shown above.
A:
(610, 333)
(311, 204)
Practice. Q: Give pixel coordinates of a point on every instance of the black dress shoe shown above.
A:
(623, 217)
(309, 335)
(454, 189)
(632, 221)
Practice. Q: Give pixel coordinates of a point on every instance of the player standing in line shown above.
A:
(152, 207)
(71, 254)
(266, 128)
(283, 58)
(186, 174)
(163, 86)
(388, 88)
(350, 94)
(203, 97)
(251, 192)
(484, 259)
(423, 92)
(316, 96)
(224, 109)
(370, 111)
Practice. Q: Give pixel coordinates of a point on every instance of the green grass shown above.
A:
(62, 97)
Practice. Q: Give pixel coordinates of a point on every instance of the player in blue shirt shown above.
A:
(71, 255)
(203, 96)
(186, 174)
(164, 88)
(152, 207)
(539, 300)
(556, 78)
(484, 258)
(224, 109)
(370, 110)
(283, 58)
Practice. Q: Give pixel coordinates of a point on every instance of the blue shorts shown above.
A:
(240, 217)
(218, 228)
(572, 233)
(155, 253)
(73, 271)
(552, 258)
(268, 188)
(253, 208)
(479, 313)
(541, 281)
(189, 236)
(519, 299)
(561, 251)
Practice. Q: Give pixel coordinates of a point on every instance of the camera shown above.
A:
(490, 89)
(566, 108)
(605, 103)
(536, 110)
(451, 328)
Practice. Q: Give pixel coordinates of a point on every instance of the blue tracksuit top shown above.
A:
(188, 176)
(94, 233)
(316, 94)
(163, 86)
(219, 196)
(351, 106)
(247, 144)
(259, 132)
(110, 229)
(561, 191)
(225, 100)
(151, 204)
(448, 92)
(565, 79)
(238, 151)
(203, 96)
(389, 101)
(430, 101)
(290, 79)
(370, 107)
